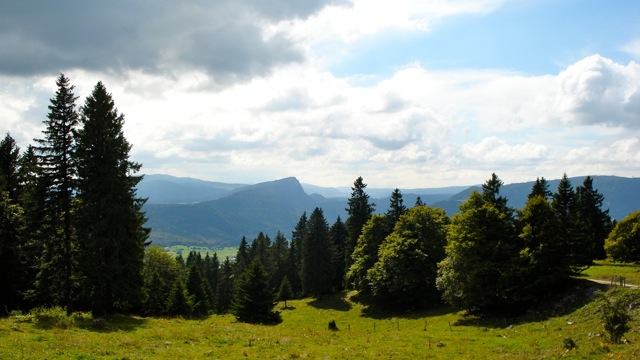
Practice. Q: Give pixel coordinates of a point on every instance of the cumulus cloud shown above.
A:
(494, 150)
(596, 90)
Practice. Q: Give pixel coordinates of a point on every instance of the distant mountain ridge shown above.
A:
(196, 212)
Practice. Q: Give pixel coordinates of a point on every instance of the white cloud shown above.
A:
(632, 48)
(596, 90)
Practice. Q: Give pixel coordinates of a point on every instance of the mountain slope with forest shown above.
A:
(218, 214)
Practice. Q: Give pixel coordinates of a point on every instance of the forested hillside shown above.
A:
(209, 213)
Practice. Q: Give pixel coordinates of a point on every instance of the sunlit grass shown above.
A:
(610, 271)
(363, 333)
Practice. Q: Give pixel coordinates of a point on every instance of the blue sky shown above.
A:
(410, 93)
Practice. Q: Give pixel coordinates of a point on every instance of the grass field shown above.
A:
(364, 333)
(610, 271)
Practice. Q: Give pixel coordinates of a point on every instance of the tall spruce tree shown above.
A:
(254, 299)
(396, 206)
(565, 207)
(359, 211)
(338, 235)
(111, 223)
(594, 223)
(316, 269)
(295, 254)
(540, 188)
(58, 275)
(10, 167)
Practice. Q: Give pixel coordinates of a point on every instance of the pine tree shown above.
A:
(254, 300)
(491, 194)
(316, 271)
(111, 222)
(10, 167)
(243, 258)
(197, 289)
(540, 188)
(225, 288)
(359, 211)
(285, 292)
(279, 259)
(295, 254)
(565, 207)
(58, 276)
(338, 236)
(179, 303)
(11, 230)
(396, 206)
(594, 222)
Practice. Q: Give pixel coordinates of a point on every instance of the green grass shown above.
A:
(606, 270)
(363, 333)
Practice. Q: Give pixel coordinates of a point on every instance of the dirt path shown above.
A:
(608, 282)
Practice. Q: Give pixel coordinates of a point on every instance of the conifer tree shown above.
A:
(198, 290)
(285, 292)
(540, 188)
(254, 300)
(359, 211)
(338, 236)
(316, 270)
(58, 276)
(295, 254)
(243, 257)
(565, 207)
(179, 302)
(279, 260)
(594, 223)
(10, 167)
(111, 222)
(224, 291)
(396, 206)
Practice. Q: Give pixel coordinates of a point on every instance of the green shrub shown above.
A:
(614, 313)
(55, 317)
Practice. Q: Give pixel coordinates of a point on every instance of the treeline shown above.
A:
(71, 228)
(488, 258)
(72, 234)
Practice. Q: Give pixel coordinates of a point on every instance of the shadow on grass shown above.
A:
(577, 294)
(114, 323)
(379, 310)
(331, 302)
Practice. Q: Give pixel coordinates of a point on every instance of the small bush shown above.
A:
(55, 317)
(614, 313)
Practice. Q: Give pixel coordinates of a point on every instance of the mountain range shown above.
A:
(187, 211)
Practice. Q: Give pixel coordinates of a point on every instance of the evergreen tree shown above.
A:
(279, 260)
(365, 255)
(286, 292)
(10, 167)
(58, 276)
(338, 236)
(295, 251)
(179, 303)
(565, 207)
(419, 202)
(491, 194)
(224, 291)
(545, 266)
(359, 211)
(211, 274)
(254, 300)
(540, 188)
(407, 266)
(316, 271)
(111, 222)
(197, 288)
(594, 222)
(243, 258)
(260, 249)
(396, 206)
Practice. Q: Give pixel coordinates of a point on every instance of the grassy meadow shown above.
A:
(363, 333)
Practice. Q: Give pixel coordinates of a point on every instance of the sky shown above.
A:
(405, 93)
